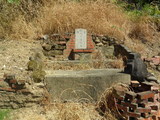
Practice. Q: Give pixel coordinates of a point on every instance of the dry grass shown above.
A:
(58, 111)
(106, 104)
(31, 19)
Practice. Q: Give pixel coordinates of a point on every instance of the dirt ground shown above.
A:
(14, 56)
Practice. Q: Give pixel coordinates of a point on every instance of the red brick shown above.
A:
(143, 110)
(13, 81)
(145, 95)
(154, 107)
(130, 96)
(139, 101)
(71, 42)
(60, 42)
(149, 104)
(133, 114)
(83, 50)
(121, 107)
(149, 118)
(132, 105)
(7, 89)
(119, 97)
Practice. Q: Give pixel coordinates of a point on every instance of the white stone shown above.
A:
(80, 39)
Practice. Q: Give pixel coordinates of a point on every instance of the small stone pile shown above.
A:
(101, 40)
(54, 45)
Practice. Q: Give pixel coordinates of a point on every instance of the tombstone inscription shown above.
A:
(80, 39)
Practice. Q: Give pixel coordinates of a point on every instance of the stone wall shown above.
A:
(63, 46)
(14, 96)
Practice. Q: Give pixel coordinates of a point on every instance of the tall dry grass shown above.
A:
(32, 18)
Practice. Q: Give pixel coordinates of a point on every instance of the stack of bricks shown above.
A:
(142, 103)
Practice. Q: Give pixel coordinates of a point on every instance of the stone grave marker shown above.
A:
(80, 39)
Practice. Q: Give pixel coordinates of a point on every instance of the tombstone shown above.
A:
(80, 39)
(80, 46)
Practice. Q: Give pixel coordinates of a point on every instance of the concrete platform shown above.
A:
(86, 85)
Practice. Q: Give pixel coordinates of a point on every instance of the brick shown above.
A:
(132, 105)
(154, 107)
(84, 50)
(130, 96)
(143, 110)
(71, 42)
(13, 81)
(141, 118)
(145, 95)
(149, 104)
(121, 107)
(133, 114)
(135, 84)
(139, 101)
(7, 89)
(119, 97)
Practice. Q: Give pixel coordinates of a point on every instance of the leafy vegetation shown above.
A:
(4, 113)
(139, 8)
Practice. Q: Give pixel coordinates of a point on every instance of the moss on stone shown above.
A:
(38, 76)
(32, 65)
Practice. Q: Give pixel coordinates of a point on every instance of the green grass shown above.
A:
(4, 113)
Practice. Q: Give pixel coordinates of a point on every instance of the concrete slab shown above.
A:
(85, 85)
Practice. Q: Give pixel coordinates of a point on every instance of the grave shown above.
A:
(71, 84)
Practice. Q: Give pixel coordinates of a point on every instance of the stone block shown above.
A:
(82, 85)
